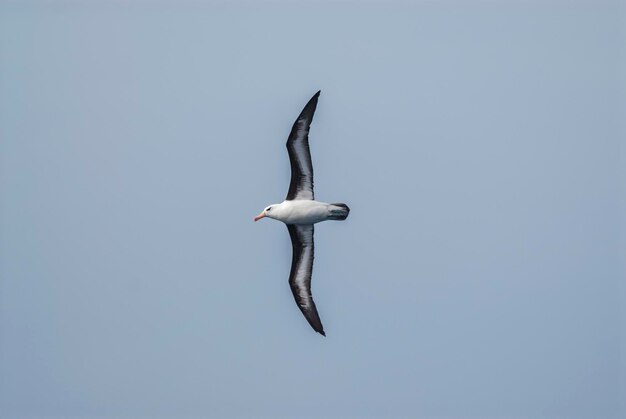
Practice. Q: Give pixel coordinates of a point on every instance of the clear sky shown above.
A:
(481, 271)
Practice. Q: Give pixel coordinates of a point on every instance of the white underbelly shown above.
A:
(305, 212)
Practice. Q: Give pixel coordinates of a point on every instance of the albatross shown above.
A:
(300, 211)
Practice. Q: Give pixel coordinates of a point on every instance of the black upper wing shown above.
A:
(301, 186)
(301, 270)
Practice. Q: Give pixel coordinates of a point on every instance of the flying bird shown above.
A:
(300, 211)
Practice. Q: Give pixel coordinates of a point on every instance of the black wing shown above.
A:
(301, 186)
(301, 270)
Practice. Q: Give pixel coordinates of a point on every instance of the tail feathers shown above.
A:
(339, 212)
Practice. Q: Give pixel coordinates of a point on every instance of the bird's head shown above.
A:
(267, 212)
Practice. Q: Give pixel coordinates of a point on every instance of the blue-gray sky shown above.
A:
(481, 271)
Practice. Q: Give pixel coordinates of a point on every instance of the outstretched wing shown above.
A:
(301, 186)
(301, 270)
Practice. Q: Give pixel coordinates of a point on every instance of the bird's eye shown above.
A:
(268, 209)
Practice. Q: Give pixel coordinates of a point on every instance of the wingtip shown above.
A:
(322, 333)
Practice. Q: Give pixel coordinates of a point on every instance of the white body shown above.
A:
(302, 211)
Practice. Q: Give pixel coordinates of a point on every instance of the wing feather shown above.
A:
(301, 271)
(301, 185)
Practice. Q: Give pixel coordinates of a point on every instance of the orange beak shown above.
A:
(258, 217)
